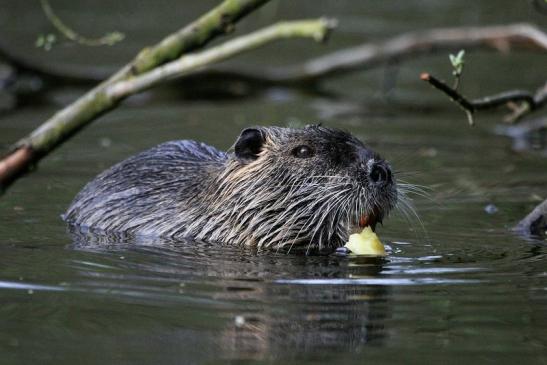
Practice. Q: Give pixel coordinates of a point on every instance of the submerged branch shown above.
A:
(534, 223)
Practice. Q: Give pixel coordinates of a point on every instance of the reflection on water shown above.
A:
(313, 319)
(299, 320)
(267, 305)
(240, 304)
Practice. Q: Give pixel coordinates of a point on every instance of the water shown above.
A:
(457, 286)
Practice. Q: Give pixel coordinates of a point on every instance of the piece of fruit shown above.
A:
(365, 243)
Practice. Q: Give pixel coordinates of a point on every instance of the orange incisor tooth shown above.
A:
(363, 221)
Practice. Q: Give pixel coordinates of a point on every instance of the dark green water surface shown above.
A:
(457, 287)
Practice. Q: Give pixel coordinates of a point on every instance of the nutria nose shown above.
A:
(380, 173)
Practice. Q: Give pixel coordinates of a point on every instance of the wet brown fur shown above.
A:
(262, 194)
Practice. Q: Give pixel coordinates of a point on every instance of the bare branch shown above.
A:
(316, 29)
(540, 100)
(218, 21)
(499, 38)
(452, 94)
(399, 48)
(74, 117)
(69, 120)
(532, 101)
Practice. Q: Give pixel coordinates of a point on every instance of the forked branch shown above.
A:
(69, 120)
(529, 101)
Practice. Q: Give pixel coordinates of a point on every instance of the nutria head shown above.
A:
(286, 188)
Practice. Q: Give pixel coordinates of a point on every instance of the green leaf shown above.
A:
(457, 62)
(40, 41)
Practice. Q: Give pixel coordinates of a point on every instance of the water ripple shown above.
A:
(378, 281)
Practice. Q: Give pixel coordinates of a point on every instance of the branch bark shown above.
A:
(316, 29)
(531, 101)
(220, 20)
(499, 38)
(69, 120)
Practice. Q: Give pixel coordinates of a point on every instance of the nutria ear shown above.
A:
(249, 144)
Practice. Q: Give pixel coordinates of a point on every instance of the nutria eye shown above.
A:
(302, 152)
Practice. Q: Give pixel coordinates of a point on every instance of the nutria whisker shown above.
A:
(424, 187)
(405, 206)
(414, 189)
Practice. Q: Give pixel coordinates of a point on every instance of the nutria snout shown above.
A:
(280, 188)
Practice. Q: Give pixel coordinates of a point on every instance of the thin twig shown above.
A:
(455, 96)
(457, 81)
(108, 39)
(540, 100)
(533, 101)
(452, 94)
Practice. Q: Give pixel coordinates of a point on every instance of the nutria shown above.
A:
(280, 188)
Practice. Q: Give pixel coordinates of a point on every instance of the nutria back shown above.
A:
(279, 188)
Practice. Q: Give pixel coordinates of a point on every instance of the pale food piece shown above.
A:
(365, 243)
